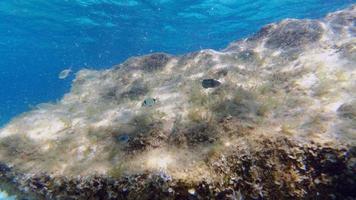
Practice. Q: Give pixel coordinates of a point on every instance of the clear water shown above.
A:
(39, 39)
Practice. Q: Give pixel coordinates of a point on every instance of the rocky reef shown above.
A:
(272, 116)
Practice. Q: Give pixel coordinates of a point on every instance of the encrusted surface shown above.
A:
(252, 169)
(281, 123)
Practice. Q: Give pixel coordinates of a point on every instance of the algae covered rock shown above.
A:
(347, 110)
(294, 34)
(278, 122)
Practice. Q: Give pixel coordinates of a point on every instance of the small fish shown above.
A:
(149, 102)
(210, 83)
(124, 138)
(64, 74)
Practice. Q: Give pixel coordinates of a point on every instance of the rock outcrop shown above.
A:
(280, 124)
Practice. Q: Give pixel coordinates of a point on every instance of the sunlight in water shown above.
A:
(159, 161)
(208, 103)
(5, 196)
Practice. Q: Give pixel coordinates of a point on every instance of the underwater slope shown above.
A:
(272, 116)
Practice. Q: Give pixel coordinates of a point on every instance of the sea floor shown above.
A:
(272, 116)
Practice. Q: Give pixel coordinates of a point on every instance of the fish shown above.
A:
(64, 74)
(210, 83)
(124, 138)
(149, 102)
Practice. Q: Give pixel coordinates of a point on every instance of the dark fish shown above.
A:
(149, 102)
(123, 138)
(210, 83)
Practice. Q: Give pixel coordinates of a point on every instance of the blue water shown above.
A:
(38, 38)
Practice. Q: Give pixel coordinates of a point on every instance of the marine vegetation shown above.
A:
(272, 116)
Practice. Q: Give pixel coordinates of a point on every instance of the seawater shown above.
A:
(39, 39)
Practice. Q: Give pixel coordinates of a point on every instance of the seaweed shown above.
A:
(294, 34)
(154, 62)
(243, 104)
(268, 168)
(18, 146)
(137, 90)
(144, 131)
(117, 171)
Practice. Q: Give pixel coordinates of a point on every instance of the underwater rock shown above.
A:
(349, 50)
(343, 21)
(210, 83)
(281, 126)
(153, 138)
(294, 34)
(154, 62)
(347, 110)
(150, 63)
(303, 172)
(136, 91)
